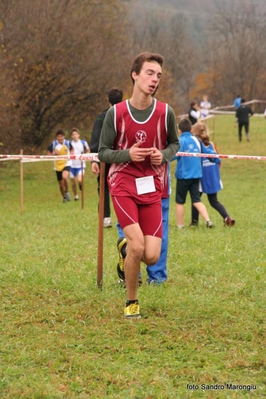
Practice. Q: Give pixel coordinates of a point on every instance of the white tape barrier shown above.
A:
(94, 157)
(201, 155)
(35, 158)
(202, 119)
(221, 110)
(232, 106)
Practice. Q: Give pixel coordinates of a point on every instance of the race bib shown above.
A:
(145, 185)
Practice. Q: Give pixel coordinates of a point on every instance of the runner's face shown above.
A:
(60, 138)
(75, 136)
(149, 77)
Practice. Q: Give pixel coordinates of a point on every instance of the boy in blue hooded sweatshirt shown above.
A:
(189, 172)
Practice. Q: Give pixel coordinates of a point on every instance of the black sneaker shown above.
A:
(209, 224)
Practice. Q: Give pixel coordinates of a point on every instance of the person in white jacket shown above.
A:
(205, 106)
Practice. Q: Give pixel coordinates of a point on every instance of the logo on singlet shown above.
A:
(141, 136)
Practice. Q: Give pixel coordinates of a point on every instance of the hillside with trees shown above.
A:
(59, 58)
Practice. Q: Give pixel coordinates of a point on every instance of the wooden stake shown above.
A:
(100, 227)
(82, 186)
(21, 185)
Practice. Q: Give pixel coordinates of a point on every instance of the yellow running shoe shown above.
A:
(132, 311)
(121, 246)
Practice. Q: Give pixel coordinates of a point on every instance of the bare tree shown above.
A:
(58, 59)
(237, 50)
(166, 31)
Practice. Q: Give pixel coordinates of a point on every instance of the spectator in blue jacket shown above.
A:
(210, 183)
(189, 172)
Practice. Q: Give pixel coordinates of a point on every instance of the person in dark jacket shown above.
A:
(115, 96)
(194, 112)
(243, 114)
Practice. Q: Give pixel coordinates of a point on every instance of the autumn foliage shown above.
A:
(59, 58)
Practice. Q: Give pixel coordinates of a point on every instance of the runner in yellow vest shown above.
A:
(61, 146)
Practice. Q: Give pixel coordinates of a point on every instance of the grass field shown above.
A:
(62, 337)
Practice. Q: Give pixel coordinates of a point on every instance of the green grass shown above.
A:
(62, 337)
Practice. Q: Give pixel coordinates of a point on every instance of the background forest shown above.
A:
(59, 58)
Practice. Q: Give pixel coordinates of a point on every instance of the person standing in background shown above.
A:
(243, 113)
(115, 96)
(78, 167)
(205, 106)
(194, 112)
